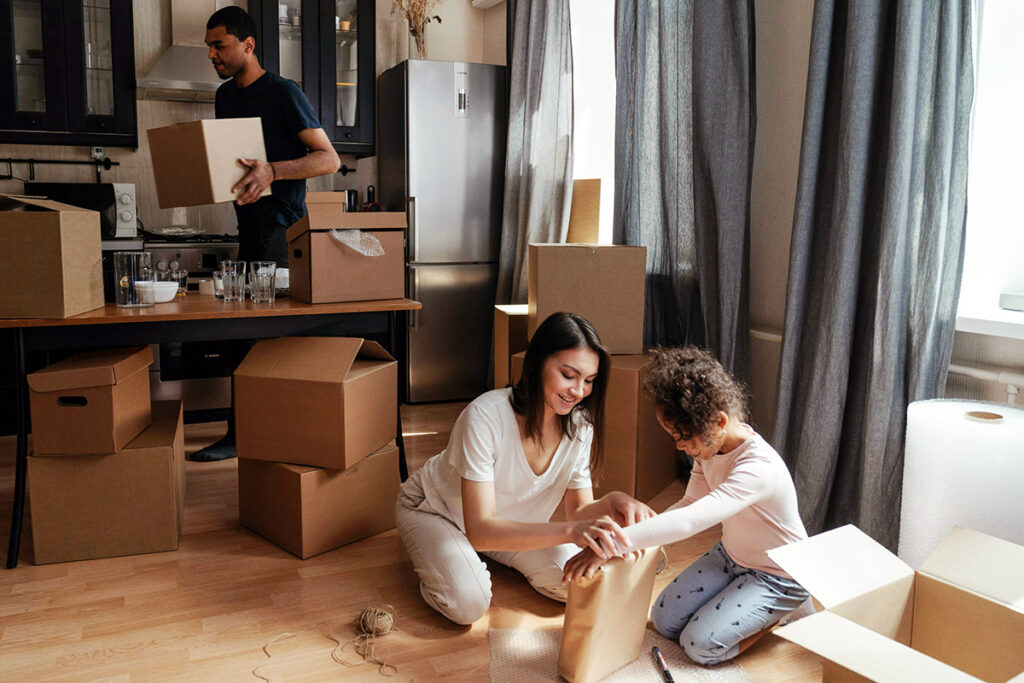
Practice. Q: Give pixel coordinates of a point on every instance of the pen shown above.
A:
(665, 673)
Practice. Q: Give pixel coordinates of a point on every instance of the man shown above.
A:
(297, 148)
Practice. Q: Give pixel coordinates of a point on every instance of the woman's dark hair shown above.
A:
(235, 21)
(559, 332)
(691, 386)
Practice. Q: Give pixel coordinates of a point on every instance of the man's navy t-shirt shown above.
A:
(285, 112)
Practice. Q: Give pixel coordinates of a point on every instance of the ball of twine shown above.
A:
(376, 621)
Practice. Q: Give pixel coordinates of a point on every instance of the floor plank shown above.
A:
(205, 611)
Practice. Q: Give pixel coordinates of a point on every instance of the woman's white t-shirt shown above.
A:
(485, 445)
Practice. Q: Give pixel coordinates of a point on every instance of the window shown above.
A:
(994, 252)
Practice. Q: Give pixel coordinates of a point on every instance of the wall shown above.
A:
(460, 37)
(783, 43)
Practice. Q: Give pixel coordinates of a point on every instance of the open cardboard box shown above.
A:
(509, 338)
(316, 401)
(959, 618)
(323, 269)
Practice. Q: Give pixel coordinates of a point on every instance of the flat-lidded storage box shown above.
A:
(122, 503)
(604, 283)
(310, 510)
(369, 265)
(196, 162)
(509, 338)
(317, 401)
(52, 259)
(638, 457)
(959, 618)
(93, 402)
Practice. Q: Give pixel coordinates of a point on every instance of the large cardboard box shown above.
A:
(310, 510)
(604, 283)
(123, 503)
(959, 618)
(197, 162)
(639, 457)
(317, 401)
(334, 255)
(94, 402)
(509, 338)
(52, 259)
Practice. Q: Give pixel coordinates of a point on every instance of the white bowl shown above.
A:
(159, 292)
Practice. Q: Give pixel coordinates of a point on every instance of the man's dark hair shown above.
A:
(235, 21)
(561, 331)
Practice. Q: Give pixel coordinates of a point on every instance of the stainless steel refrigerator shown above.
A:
(441, 156)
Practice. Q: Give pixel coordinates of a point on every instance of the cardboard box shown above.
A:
(323, 269)
(604, 283)
(197, 162)
(509, 338)
(52, 259)
(959, 618)
(94, 402)
(317, 401)
(585, 213)
(123, 503)
(310, 510)
(639, 456)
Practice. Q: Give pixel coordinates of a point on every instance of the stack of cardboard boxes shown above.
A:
(315, 421)
(605, 285)
(107, 472)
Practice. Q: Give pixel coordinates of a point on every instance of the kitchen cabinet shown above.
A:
(328, 48)
(68, 73)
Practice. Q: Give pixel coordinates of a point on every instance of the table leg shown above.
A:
(403, 465)
(21, 464)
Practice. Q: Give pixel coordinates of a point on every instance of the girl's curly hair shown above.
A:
(691, 386)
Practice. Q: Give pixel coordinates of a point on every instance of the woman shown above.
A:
(513, 455)
(730, 597)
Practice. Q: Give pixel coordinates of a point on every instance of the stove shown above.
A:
(200, 254)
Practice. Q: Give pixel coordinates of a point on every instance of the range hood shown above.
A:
(184, 71)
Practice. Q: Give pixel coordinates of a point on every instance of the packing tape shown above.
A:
(963, 466)
(360, 242)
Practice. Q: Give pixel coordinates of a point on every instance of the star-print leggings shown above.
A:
(715, 603)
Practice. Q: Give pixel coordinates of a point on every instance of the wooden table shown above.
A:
(188, 319)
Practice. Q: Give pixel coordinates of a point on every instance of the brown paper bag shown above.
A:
(605, 618)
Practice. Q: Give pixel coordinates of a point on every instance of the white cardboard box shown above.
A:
(959, 618)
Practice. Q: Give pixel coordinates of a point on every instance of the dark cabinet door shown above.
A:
(67, 76)
(329, 49)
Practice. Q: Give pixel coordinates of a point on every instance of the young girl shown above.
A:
(728, 598)
(512, 456)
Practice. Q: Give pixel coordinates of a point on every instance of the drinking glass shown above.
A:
(234, 280)
(131, 267)
(261, 281)
(218, 284)
(181, 277)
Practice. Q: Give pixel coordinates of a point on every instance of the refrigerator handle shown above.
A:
(410, 203)
(414, 316)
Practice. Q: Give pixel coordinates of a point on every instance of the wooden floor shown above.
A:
(205, 611)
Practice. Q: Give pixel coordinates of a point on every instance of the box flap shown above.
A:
(865, 652)
(330, 217)
(325, 198)
(10, 202)
(839, 564)
(314, 359)
(91, 369)
(980, 563)
(513, 309)
(373, 350)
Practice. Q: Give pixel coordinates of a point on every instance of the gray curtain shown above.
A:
(684, 133)
(538, 165)
(877, 247)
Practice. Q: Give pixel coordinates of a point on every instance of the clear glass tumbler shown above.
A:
(131, 267)
(234, 280)
(261, 281)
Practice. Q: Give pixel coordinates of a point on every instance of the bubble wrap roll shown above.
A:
(961, 469)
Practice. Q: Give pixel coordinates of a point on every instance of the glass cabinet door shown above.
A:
(347, 101)
(31, 78)
(99, 64)
(289, 41)
(346, 63)
(102, 68)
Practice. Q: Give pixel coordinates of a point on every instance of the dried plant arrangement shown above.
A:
(418, 14)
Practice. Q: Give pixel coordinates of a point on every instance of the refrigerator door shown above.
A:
(449, 340)
(455, 159)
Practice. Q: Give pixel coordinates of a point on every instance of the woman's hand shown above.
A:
(603, 536)
(582, 565)
(626, 509)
